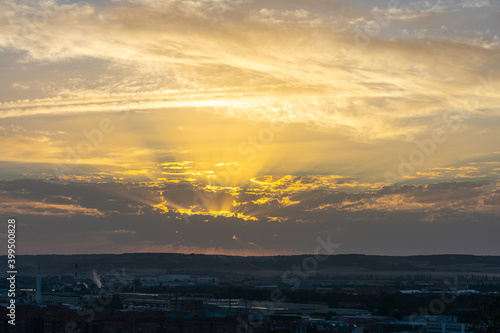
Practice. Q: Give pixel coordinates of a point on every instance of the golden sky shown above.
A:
(251, 127)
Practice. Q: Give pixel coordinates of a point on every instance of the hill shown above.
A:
(265, 266)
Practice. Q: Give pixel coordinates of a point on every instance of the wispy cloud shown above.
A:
(261, 56)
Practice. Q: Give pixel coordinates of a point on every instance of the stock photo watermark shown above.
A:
(108, 290)
(451, 121)
(292, 278)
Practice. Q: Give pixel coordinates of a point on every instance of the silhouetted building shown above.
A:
(58, 298)
(49, 319)
(186, 305)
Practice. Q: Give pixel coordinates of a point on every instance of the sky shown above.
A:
(251, 127)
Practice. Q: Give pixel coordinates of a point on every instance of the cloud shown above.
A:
(112, 213)
(407, 14)
(254, 50)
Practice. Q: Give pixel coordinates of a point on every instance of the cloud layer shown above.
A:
(275, 215)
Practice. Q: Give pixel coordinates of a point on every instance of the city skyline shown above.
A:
(251, 127)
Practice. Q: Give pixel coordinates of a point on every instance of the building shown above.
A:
(186, 305)
(174, 278)
(150, 281)
(436, 324)
(208, 280)
(400, 326)
(333, 326)
(49, 319)
(446, 327)
(287, 323)
(54, 298)
(368, 323)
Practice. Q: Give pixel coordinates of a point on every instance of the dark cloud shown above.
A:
(58, 217)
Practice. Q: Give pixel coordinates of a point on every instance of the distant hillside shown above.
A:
(270, 266)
